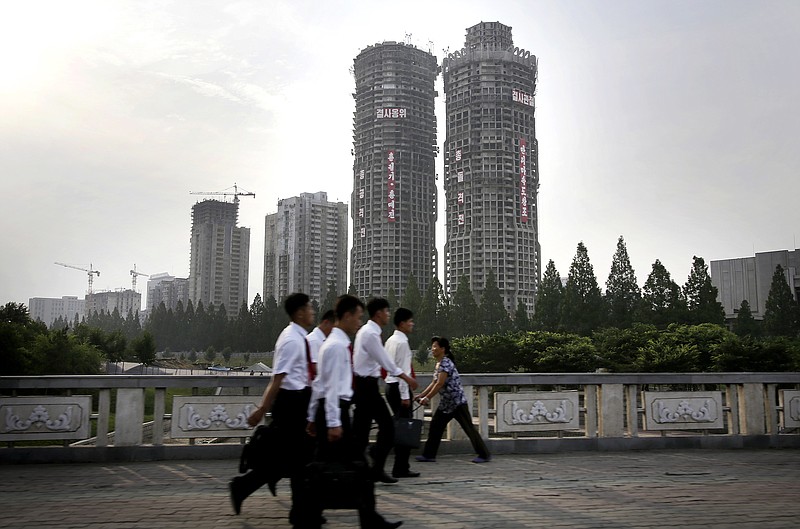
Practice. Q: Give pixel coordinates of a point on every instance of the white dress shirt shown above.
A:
(399, 351)
(315, 339)
(334, 380)
(290, 357)
(369, 355)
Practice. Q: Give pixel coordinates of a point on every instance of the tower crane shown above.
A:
(91, 271)
(134, 273)
(226, 193)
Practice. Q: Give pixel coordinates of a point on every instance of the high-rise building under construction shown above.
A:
(393, 205)
(220, 256)
(491, 175)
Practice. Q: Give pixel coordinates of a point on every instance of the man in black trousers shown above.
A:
(329, 416)
(369, 357)
(287, 397)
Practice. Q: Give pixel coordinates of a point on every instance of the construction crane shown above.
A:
(134, 273)
(236, 193)
(91, 271)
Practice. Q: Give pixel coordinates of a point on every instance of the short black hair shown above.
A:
(295, 302)
(376, 304)
(347, 303)
(329, 315)
(402, 314)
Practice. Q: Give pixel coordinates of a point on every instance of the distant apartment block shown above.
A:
(123, 300)
(167, 289)
(48, 310)
(305, 247)
(394, 200)
(220, 252)
(491, 178)
(750, 278)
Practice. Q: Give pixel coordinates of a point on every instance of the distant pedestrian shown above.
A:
(452, 404)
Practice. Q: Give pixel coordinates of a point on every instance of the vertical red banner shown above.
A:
(523, 180)
(390, 181)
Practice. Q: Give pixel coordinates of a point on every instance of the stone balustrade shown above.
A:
(517, 413)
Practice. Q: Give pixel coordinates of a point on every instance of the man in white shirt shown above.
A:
(318, 335)
(369, 357)
(287, 397)
(328, 412)
(398, 394)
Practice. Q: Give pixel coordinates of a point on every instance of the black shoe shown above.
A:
(236, 496)
(406, 474)
(271, 484)
(383, 477)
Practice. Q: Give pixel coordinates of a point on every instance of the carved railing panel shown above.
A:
(220, 416)
(689, 410)
(45, 418)
(791, 408)
(530, 412)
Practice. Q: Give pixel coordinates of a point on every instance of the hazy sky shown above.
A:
(672, 123)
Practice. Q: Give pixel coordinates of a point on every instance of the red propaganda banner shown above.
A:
(390, 180)
(523, 180)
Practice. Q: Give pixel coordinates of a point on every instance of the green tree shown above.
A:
(331, 294)
(412, 297)
(391, 297)
(211, 353)
(549, 300)
(701, 296)
(144, 347)
(521, 321)
(661, 298)
(780, 316)
(226, 354)
(582, 311)
(746, 324)
(623, 295)
(465, 319)
(493, 313)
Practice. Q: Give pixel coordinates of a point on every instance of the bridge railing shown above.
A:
(166, 416)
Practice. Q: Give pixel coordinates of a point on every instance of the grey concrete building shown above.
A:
(491, 166)
(305, 247)
(167, 289)
(48, 310)
(123, 300)
(394, 177)
(750, 278)
(220, 253)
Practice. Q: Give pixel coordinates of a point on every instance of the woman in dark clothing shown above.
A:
(452, 404)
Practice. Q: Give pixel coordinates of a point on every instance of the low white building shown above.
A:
(48, 310)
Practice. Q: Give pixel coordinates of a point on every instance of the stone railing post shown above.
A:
(129, 418)
(751, 409)
(612, 410)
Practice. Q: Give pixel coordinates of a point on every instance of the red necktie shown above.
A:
(352, 367)
(312, 372)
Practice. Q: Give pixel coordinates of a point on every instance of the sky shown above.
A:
(670, 123)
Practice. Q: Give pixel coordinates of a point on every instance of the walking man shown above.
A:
(398, 394)
(318, 335)
(328, 412)
(368, 358)
(287, 397)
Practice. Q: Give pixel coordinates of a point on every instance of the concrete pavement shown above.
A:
(669, 488)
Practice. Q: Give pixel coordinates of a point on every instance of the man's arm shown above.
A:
(374, 348)
(267, 400)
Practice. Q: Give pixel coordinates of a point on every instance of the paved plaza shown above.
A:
(686, 488)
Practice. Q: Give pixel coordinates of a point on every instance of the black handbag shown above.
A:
(336, 485)
(261, 451)
(407, 432)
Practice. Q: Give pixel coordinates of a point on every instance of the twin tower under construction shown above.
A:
(491, 174)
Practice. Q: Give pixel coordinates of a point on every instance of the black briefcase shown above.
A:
(334, 485)
(261, 449)
(407, 432)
